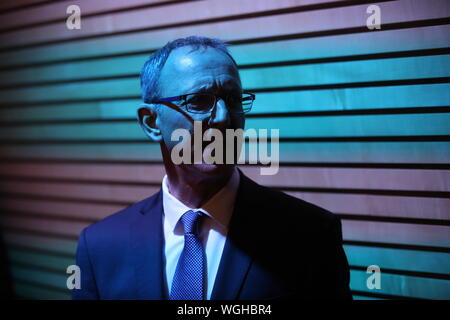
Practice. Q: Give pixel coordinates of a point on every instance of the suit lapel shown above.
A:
(147, 245)
(235, 261)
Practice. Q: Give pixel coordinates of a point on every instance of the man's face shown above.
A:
(205, 70)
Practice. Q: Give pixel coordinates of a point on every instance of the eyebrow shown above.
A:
(227, 85)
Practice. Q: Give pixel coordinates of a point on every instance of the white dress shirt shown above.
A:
(213, 231)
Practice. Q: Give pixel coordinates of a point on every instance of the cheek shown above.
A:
(171, 121)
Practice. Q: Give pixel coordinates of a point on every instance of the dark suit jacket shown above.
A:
(278, 247)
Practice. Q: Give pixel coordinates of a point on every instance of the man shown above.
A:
(210, 232)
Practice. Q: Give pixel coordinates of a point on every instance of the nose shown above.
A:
(220, 115)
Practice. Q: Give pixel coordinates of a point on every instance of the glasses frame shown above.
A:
(183, 96)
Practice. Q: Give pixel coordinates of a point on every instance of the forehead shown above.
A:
(188, 70)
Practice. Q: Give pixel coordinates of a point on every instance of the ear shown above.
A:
(148, 119)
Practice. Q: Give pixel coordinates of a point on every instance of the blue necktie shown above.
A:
(189, 279)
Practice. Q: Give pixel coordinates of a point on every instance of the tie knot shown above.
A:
(191, 221)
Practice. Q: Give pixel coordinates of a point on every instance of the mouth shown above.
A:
(208, 146)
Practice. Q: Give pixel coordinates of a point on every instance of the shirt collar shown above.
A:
(219, 207)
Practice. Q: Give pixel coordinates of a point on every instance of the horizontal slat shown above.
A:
(414, 152)
(38, 243)
(251, 140)
(401, 233)
(345, 152)
(86, 110)
(388, 179)
(407, 286)
(342, 72)
(49, 12)
(82, 131)
(436, 263)
(104, 90)
(26, 290)
(57, 281)
(364, 165)
(329, 126)
(246, 29)
(108, 67)
(274, 77)
(106, 192)
(69, 229)
(377, 205)
(81, 210)
(151, 151)
(354, 178)
(84, 90)
(350, 98)
(87, 172)
(42, 261)
(18, 4)
(345, 126)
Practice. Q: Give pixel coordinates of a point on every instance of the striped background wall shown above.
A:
(364, 119)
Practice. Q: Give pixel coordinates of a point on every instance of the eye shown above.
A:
(197, 100)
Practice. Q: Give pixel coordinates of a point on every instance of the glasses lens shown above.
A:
(199, 102)
(247, 101)
(203, 102)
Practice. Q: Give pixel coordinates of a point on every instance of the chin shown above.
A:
(210, 170)
(204, 167)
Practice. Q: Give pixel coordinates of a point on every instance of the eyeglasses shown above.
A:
(204, 102)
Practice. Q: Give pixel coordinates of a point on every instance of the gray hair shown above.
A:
(152, 68)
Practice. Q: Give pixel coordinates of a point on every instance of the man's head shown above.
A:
(185, 66)
(151, 71)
